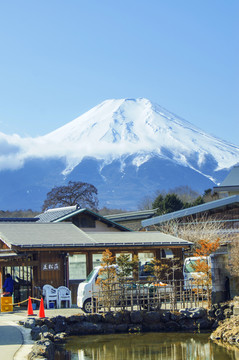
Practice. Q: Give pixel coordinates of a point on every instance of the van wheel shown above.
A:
(87, 306)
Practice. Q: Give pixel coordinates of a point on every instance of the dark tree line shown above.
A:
(171, 202)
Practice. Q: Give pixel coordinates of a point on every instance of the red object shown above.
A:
(29, 307)
(41, 309)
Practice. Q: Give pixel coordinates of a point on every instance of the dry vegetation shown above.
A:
(196, 229)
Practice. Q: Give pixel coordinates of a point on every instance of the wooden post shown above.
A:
(89, 262)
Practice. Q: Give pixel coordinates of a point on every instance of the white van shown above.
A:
(190, 275)
(87, 288)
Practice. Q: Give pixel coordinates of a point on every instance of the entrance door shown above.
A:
(22, 276)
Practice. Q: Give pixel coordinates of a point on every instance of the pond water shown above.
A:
(148, 346)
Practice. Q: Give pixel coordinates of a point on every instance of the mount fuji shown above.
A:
(127, 148)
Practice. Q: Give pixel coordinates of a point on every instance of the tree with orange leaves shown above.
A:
(107, 279)
(204, 249)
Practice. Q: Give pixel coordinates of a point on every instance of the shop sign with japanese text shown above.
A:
(50, 266)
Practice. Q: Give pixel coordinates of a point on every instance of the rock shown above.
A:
(119, 317)
(109, 318)
(227, 313)
(95, 318)
(219, 314)
(60, 324)
(136, 317)
(121, 328)
(175, 317)
(47, 335)
(44, 328)
(108, 328)
(86, 328)
(188, 325)
(42, 349)
(75, 318)
(214, 337)
(193, 313)
(151, 317)
(165, 316)
(60, 338)
(172, 326)
(211, 313)
(36, 333)
(215, 307)
(153, 327)
(29, 323)
(125, 316)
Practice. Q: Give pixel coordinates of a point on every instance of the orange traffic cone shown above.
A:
(41, 309)
(29, 307)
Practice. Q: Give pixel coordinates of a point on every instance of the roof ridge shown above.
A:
(73, 207)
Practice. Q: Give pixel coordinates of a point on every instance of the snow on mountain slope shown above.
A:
(127, 148)
(116, 128)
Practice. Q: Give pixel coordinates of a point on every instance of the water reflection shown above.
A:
(150, 346)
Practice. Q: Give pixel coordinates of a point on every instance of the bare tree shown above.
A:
(233, 262)
(197, 229)
(185, 193)
(83, 194)
(145, 203)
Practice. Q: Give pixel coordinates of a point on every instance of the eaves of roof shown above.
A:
(226, 188)
(67, 235)
(134, 215)
(234, 199)
(105, 245)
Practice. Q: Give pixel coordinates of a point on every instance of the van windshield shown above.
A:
(190, 266)
(90, 276)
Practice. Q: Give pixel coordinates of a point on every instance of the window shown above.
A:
(77, 267)
(144, 259)
(167, 254)
(96, 259)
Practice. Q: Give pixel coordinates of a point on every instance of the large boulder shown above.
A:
(85, 328)
(172, 326)
(42, 349)
(152, 317)
(136, 317)
(193, 313)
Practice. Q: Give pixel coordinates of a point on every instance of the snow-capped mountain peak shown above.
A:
(117, 128)
(127, 148)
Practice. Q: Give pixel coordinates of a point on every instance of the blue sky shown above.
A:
(61, 58)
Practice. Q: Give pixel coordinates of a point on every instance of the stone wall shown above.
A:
(49, 332)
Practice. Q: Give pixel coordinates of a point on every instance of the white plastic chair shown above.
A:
(64, 294)
(50, 294)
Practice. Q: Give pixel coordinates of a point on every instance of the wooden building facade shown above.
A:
(62, 254)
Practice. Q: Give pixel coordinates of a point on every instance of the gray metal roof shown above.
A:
(61, 214)
(39, 235)
(132, 215)
(192, 210)
(139, 238)
(30, 235)
(232, 178)
(51, 215)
